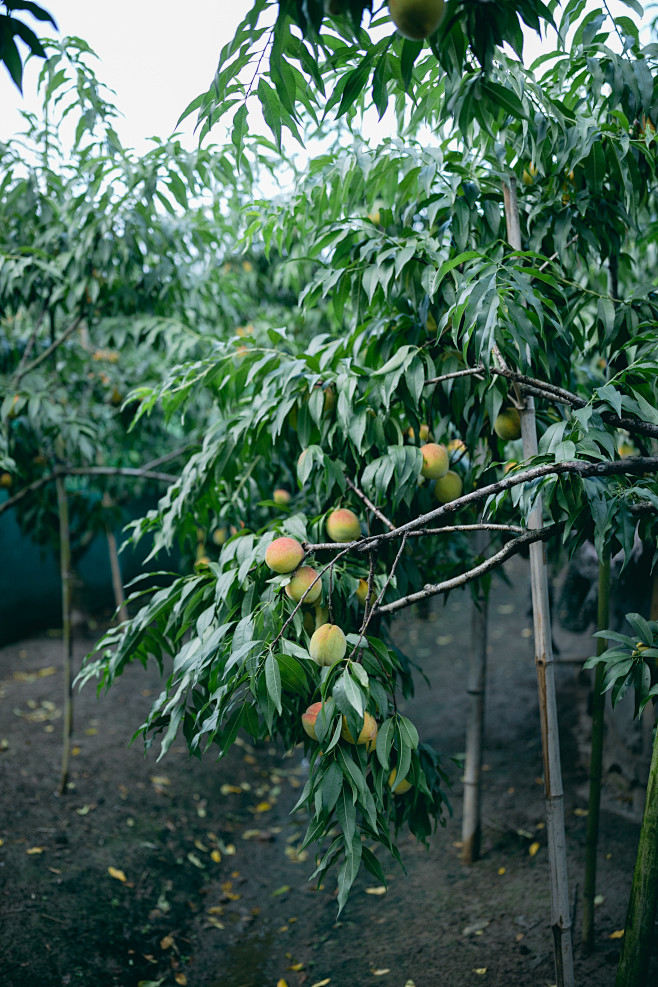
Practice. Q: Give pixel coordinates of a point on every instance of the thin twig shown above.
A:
(30, 344)
(51, 349)
(366, 500)
(375, 606)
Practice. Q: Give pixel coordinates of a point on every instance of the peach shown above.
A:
(448, 487)
(362, 593)
(328, 644)
(368, 735)
(343, 525)
(507, 425)
(416, 19)
(308, 719)
(303, 582)
(5, 481)
(284, 554)
(404, 785)
(219, 536)
(281, 496)
(436, 460)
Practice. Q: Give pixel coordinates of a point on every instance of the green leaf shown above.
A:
(385, 737)
(273, 681)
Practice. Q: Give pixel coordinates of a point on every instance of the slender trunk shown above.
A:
(115, 567)
(633, 966)
(471, 821)
(67, 632)
(596, 761)
(545, 665)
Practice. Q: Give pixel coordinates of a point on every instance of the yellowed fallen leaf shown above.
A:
(501, 871)
(533, 848)
(160, 780)
(580, 812)
(116, 873)
(617, 934)
(480, 970)
(216, 924)
(35, 849)
(263, 807)
(380, 973)
(230, 790)
(91, 731)
(284, 928)
(216, 856)
(181, 979)
(281, 983)
(193, 859)
(166, 942)
(379, 890)
(296, 966)
(215, 910)
(321, 983)
(75, 751)
(232, 896)
(282, 890)
(599, 899)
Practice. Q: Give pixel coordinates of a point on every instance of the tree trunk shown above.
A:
(471, 820)
(596, 761)
(67, 630)
(638, 933)
(545, 665)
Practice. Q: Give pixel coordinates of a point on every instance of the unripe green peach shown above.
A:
(328, 644)
(309, 718)
(309, 622)
(343, 525)
(5, 481)
(303, 580)
(404, 785)
(362, 593)
(507, 425)
(368, 735)
(284, 554)
(416, 19)
(321, 616)
(219, 536)
(448, 487)
(281, 497)
(436, 460)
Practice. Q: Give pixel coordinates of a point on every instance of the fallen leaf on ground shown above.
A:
(321, 983)
(216, 924)
(116, 873)
(380, 890)
(282, 890)
(263, 807)
(580, 812)
(533, 848)
(480, 970)
(476, 927)
(296, 966)
(75, 751)
(501, 871)
(87, 808)
(181, 979)
(160, 780)
(193, 859)
(599, 899)
(281, 983)
(216, 856)
(230, 790)
(35, 849)
(380, 973)
(617, 934)
(166, 942)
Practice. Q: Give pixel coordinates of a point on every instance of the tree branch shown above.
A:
(366, 500)
(511, 548)
(144, 474)
(51, 349)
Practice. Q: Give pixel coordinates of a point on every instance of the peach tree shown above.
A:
(485, 272)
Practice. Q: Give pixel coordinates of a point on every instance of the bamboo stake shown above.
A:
(471, 821)
(545, 665)
(596, 761)
(67, 631)
(635, 956)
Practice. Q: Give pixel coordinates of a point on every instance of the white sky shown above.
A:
(156, 55)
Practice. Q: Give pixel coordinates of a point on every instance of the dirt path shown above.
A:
(187, 872)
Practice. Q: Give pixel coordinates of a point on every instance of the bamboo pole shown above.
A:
(67, 629)
(596, 761)
(554, 794)
(471, 819)
(635, 956)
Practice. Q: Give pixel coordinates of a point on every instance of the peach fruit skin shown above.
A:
(284, 555)
(343, 525)
(368, 735)
(508, 425)
(436, 460)
(309, 718)
(300, 582)
(416, 19)
(448, 487)
(404, 785)
(328, 644)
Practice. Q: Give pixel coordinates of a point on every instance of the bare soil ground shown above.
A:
(187, 872)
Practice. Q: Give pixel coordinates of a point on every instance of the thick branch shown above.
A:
(511, 548)
(144, 474)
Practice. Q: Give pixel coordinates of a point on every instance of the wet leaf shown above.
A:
(533, 848)
(379, 890)
(116, 873)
